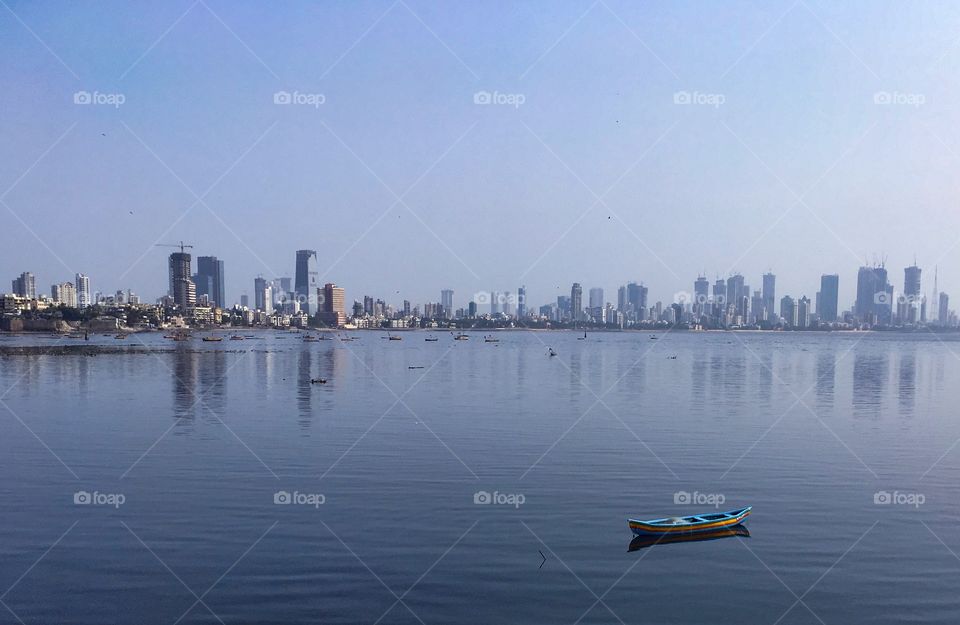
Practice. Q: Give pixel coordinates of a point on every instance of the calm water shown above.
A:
(806, 428)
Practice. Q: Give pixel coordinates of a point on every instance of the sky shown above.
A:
(480, 146)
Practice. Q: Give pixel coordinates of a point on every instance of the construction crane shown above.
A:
(180, 245)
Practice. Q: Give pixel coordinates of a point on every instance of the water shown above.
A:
(807, 428)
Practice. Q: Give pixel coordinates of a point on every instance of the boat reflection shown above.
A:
(642, 542)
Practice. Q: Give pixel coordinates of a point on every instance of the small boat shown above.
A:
(212, 339)
(461, 337)
(642, 542)
(689, 524)
(318, 381)
(236, 337)
(394, 338)
(551, 351)
(120, 336)
(431, 339)
(653, 338)
(582, 338)
(310, 339)
(490, 339)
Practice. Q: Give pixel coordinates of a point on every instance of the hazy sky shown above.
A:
(818, 135)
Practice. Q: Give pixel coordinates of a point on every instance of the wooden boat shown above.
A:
(212, 339)
(689, 524)
(461, 337)
(431, 339)
(490, 339)
(236, 337)
(395, 338)
(642, 542)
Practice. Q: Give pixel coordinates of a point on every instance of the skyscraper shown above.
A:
(182, 288)
(874, 296)
(262, 295)
(65, 294)
(82, 284)
(637, 300)
(333, 312)
(446, 300)
(788, 310)
(944, 313)
(803, 312)
(769, 296)
(25, 285)
(736, 294)
(829, 297)
(495, 298)
(701, 295)
(911, 294)
(596, 297)
(307, 281)
(522, 302)
(576, 302)
(209, 279)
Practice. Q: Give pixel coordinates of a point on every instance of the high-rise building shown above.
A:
(182, 288)
(446, 300)
(637, 300)
(944, 312)
(65, 294)
(245, 301)
(701, 295)
(787, 310)
(209, 280)
(769, 296)
(263, 295)
(307, 281)
(82, 284)
(622, 299)
(596, 297)
(736, 295)
(912, 300)
(333, 311)
(829, 297)
(495, 297)
(522, 302)
(803, 308)
(757, 309)
(576, 302)
(874, 296)
(25, 285)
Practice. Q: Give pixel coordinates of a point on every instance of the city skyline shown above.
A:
(730, 303)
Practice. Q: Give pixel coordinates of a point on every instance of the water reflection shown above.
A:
(184, 382)
(826, 377)
(907, 382)
(642, 542)
(870, 372)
